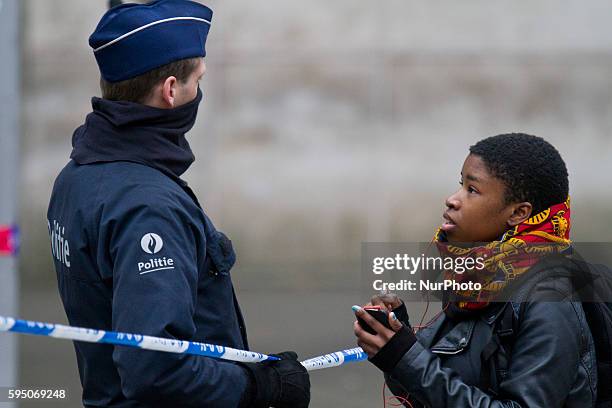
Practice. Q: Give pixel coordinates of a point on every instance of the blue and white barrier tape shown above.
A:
(59, 331)
(8, 324)
(335, 359)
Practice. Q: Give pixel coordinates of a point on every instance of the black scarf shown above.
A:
(127, 131)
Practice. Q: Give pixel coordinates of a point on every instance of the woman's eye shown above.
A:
(470, 188)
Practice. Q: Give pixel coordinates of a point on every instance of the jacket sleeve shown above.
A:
(543, 366)
(155, 278)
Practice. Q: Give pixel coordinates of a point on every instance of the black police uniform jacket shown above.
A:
(135, 253)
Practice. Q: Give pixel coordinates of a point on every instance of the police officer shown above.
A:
(133, 250)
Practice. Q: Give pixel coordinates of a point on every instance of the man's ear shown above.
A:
(169, 92)
(521, 212)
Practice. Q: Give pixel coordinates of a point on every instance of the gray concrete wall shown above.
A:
(324, 125)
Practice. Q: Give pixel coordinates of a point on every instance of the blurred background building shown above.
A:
(326, 124)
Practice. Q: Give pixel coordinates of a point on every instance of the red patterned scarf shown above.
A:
(507, 259)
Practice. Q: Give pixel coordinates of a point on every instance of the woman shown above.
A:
(483, 353)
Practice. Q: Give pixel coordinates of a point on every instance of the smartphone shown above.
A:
(377, 313)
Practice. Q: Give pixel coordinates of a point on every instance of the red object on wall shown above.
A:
(9, 242)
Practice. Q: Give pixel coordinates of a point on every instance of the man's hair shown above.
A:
(530, 167)
(138, 89)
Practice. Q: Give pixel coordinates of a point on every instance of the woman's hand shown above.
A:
(370, 343)
(389, 300)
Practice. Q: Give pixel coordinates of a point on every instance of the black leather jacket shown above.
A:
(551, 364)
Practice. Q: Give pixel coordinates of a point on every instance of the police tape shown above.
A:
(59, 331)
(335, 359)
(8, 324)
(9, 240)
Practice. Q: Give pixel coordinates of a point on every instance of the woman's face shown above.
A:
(477, 212)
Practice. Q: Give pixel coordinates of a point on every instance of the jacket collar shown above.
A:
(127, 131)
